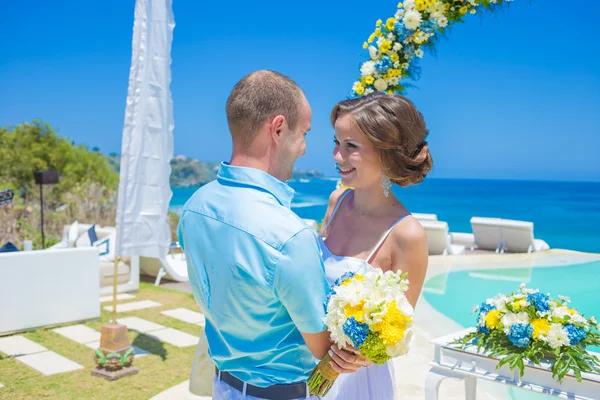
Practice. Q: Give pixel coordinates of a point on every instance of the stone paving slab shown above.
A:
(136, 305)
(49, 363)
(175, 337)
(185, 315)
(120, 296)
(139, 324)
(14, 346)
(79, 333)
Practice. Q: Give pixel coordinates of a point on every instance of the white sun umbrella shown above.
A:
(147, 149)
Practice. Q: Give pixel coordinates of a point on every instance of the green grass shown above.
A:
(166, 367)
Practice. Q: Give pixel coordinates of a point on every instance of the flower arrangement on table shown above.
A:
(369, 312)
(529, 325)
(397, 44)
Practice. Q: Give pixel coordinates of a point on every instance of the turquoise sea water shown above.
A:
(566, 214)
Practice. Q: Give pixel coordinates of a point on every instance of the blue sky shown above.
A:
(514, 95)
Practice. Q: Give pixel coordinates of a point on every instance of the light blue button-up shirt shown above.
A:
(256, 272)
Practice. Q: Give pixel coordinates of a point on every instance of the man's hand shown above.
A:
(346, 360)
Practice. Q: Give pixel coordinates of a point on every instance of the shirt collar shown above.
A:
(259, 179)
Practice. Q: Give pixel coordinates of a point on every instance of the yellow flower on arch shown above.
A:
(368, 80)
(389, 24)
(394, 57)
(385, 46)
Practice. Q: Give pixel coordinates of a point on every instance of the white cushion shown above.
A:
(87, 238)
(106, 247)
(72, 234)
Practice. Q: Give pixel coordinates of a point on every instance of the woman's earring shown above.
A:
(385, 184)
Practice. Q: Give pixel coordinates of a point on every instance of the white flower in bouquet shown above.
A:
(397, 46)
(368, 68)
(437, 8)
(412, 19)
(560, 312)
(369, 91)
(373, 53)
(409, 4)
(499, 302)
(380, 84)
(509, 319)
(556, 336)
(564, 299)
(442, 21)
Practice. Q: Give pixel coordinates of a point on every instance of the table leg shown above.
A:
(432, 383)
(470, 388)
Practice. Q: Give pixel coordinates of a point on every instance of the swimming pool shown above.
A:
(455, 293)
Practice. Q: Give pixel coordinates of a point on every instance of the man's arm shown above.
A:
(299, 283)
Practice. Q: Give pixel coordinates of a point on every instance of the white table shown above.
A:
(469, 365)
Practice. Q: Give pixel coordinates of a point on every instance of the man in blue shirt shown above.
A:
(255, 267)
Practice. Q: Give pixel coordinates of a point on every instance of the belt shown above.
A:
(274, 392)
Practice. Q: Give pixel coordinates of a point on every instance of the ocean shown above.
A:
(566, 214)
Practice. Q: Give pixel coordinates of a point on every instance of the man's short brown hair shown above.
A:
(256, 98)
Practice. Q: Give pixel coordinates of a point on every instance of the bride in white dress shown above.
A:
(379, 140)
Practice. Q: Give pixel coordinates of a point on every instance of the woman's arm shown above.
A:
(410, 254)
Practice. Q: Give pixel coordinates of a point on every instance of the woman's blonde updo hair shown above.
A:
(396, 129)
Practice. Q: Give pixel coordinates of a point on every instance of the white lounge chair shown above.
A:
(518, 237)
(438, 239)
(425, 217)
(508, 235)
(175, 267)
(487, 233)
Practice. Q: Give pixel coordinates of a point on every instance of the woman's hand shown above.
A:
(346, 360)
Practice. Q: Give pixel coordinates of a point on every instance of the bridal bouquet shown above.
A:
(529, 325)
(369, 312)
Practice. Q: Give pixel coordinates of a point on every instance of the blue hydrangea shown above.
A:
(402, 31)
(428, 26)
(485, 308)
(483, 329)
(409, 50)
(342, 278)
(539, 301)
(576, 334)
(383, 65)
(356, 331)
(520, 334)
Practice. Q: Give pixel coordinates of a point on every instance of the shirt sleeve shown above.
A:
(299, 282)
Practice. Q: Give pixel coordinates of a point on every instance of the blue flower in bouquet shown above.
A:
(356, 331)
(520, 334)
(428, 26)
(402, 31)
(483, 329)
(575, 334)
(409, 50)
(338, 281)
(383, 65)
(484, 308)
(540, 301)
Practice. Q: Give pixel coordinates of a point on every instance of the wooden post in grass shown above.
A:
(114, 358)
